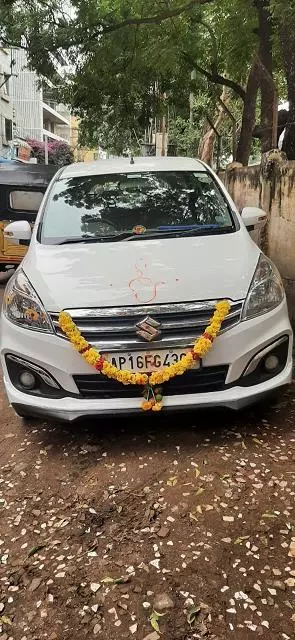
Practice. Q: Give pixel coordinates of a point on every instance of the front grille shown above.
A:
(203, 380)
(114, 328)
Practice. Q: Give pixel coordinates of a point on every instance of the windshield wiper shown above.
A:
(111, 238)
(206, 229)
(181, 231)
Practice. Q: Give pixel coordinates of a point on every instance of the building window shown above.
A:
(8, 130)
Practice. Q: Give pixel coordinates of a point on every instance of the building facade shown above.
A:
(6, 106)
(83, 154)
(36, 114)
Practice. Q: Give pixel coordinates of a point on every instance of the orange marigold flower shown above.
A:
(146, 406)
(157, 406)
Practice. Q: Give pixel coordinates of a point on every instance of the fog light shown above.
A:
(271, 363)
(27, 380)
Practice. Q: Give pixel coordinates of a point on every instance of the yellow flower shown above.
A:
(79, 343)
(91, 356)
(223, 307)
(157, 406)
(202, 346)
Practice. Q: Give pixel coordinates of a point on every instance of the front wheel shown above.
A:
(5, 275)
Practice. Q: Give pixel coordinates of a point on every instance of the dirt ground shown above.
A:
(174, 527)
(180, 526)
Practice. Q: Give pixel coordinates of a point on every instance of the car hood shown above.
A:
(142, 272)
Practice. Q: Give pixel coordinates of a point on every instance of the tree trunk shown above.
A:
(261, 76)
(248, 119)
(287, 37)
(206, 147)
(208, 142)
(268, 90)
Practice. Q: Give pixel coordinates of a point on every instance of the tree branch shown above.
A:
(213, 44)
(265, 72)
(217, 78)
(105, 28)
(10, 44)
(160, 17)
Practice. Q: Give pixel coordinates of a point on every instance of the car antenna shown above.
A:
(131, 160)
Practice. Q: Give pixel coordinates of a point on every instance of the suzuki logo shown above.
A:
(148, 329)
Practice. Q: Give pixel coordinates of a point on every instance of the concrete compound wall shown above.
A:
(270, 186)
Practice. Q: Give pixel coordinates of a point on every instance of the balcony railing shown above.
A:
(58, 107)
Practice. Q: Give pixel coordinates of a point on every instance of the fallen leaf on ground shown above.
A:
(35, 549)
(154, 617)
(5, 620)
(241, 539)
(109, 580)
(193, 517)
(191, 616)
(171, 482)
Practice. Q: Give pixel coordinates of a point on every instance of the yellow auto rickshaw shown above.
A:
(22, 187)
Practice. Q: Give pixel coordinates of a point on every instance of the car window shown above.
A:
(25, 200)
(102, 206)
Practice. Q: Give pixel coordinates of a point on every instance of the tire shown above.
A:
(6, 275)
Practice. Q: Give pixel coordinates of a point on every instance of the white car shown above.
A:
(138, 252)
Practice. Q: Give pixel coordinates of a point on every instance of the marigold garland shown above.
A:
(152, 397)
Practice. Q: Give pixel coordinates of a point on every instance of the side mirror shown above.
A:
(253, 217)
(19, 231)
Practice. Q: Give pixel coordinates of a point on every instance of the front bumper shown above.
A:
(234, 348)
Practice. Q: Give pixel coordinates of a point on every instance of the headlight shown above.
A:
(22, 306)
(266, 291)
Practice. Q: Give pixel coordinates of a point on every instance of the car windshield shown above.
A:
(135, 206)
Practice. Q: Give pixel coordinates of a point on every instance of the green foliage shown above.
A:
(133, 75)
(131, 61)
(234, 26)
(130, 76)
(283, 12)
(184, 137)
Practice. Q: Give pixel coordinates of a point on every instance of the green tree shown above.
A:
(132, 61)
(283, 14)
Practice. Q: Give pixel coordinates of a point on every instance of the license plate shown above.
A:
(146, 361)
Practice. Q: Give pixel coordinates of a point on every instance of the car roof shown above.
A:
(124, 165)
